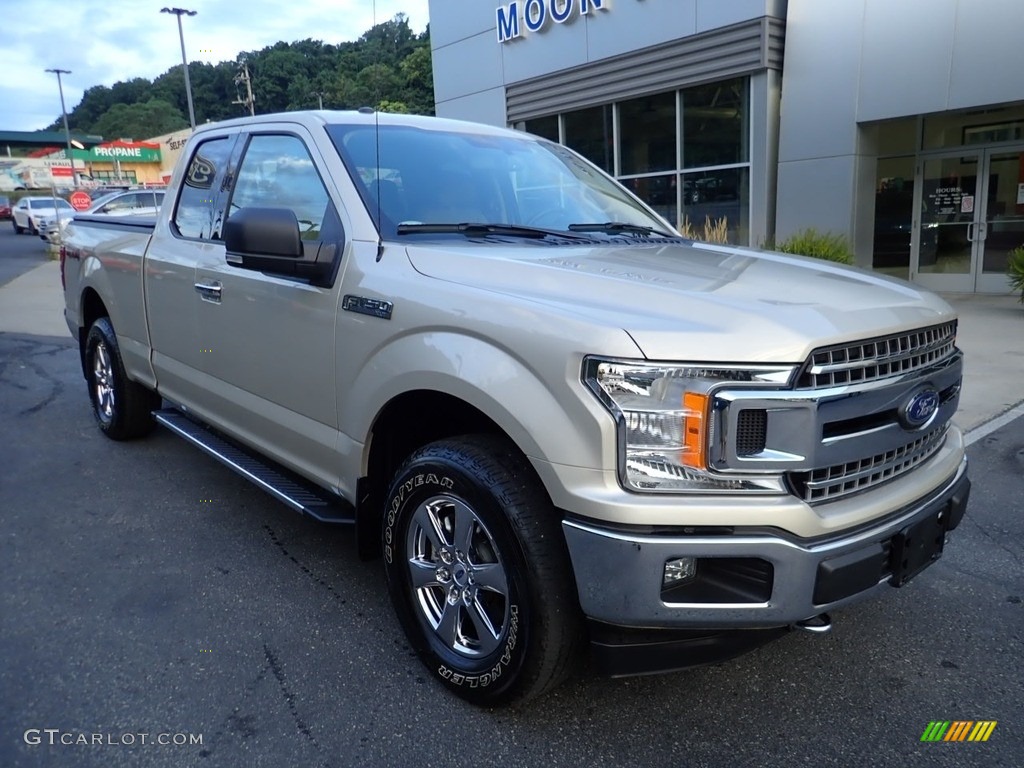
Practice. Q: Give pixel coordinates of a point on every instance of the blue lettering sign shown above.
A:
(559, 16)
(534, 14)
(508, 22)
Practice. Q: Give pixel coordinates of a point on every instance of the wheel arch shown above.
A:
(405, 423)
(91, 309)
(452, 383)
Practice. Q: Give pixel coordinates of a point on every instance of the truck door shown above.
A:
(269, 339)
(180, 240)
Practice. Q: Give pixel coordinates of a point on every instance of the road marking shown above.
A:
(998, 422)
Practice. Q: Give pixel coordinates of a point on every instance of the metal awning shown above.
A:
(46, 139)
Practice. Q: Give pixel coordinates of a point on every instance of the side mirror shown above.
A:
(268, 240)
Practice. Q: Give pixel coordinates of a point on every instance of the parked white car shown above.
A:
(136, 202)
(34, 214)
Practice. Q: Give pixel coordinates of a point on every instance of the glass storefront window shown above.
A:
(589, 132)
(894, 216)
(647, 128)
(659, 192)
(954, 129)
(718, 195)
(129, 177)
(896, 137)
(546, 127)
(714, 124)
(664, 142)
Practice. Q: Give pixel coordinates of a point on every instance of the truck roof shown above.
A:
(316, 118)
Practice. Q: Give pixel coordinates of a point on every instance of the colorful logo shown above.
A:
(958, 730)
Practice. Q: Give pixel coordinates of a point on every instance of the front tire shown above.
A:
(479, 573)
(123, 408)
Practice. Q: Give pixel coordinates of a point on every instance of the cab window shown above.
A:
(278, 172)
(194, 215)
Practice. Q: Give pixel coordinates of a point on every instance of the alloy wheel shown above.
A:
(459, 582)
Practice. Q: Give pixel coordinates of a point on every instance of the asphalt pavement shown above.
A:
(149, 594)
(149, 591)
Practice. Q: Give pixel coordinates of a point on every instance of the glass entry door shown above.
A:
(970, 215)
(1001, 228)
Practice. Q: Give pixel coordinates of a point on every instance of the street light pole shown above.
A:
(184, 61)
(64, 114)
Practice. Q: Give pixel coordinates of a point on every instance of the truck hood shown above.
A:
(697, 301)
(50, 212)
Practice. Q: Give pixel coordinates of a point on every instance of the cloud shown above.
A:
(104, 41)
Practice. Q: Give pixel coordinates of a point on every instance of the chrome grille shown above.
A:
(877, 358)
(831, 483)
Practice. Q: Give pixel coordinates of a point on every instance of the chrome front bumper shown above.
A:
(619, 574)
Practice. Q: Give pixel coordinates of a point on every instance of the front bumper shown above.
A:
(755, 579)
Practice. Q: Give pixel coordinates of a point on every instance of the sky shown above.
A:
(104, 41)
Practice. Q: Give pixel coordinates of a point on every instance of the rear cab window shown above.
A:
(195, 215)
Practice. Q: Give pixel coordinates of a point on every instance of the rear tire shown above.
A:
(479, 573)
(123, 408)
(17, 230)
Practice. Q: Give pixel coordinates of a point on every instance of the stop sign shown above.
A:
(80, 201)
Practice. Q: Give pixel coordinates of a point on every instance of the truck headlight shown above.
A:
(666, 421)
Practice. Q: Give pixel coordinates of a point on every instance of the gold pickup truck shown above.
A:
(562, 426)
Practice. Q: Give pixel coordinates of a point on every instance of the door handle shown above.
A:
(970, 232)
(209, 291)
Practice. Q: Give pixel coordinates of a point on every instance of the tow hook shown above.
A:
(816, 625)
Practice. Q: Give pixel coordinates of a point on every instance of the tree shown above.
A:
(395, 107)
(140, 121)
(274, 72)
(418, 80)
(388, 65)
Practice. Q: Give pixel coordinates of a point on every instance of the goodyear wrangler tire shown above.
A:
(478, 571)
(123, 408)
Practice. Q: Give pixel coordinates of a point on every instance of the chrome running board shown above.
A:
(279, 482)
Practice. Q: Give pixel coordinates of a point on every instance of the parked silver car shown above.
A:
(136, 202)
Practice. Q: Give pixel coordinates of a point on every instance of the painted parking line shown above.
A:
(986, 429)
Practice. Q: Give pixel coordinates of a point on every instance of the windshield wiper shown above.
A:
(618, 226)
(479, 230)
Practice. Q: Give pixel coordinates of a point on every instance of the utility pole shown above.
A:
(249, 101)
(320, 97)
(64, 114)
(184, 61)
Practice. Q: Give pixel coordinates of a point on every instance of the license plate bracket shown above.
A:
(917, 546)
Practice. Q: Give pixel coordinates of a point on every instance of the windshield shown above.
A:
(46, 202)
(429, 176)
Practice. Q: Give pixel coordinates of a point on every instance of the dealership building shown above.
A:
(899, 125)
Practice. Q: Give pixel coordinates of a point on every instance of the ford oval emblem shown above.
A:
(920, 409)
